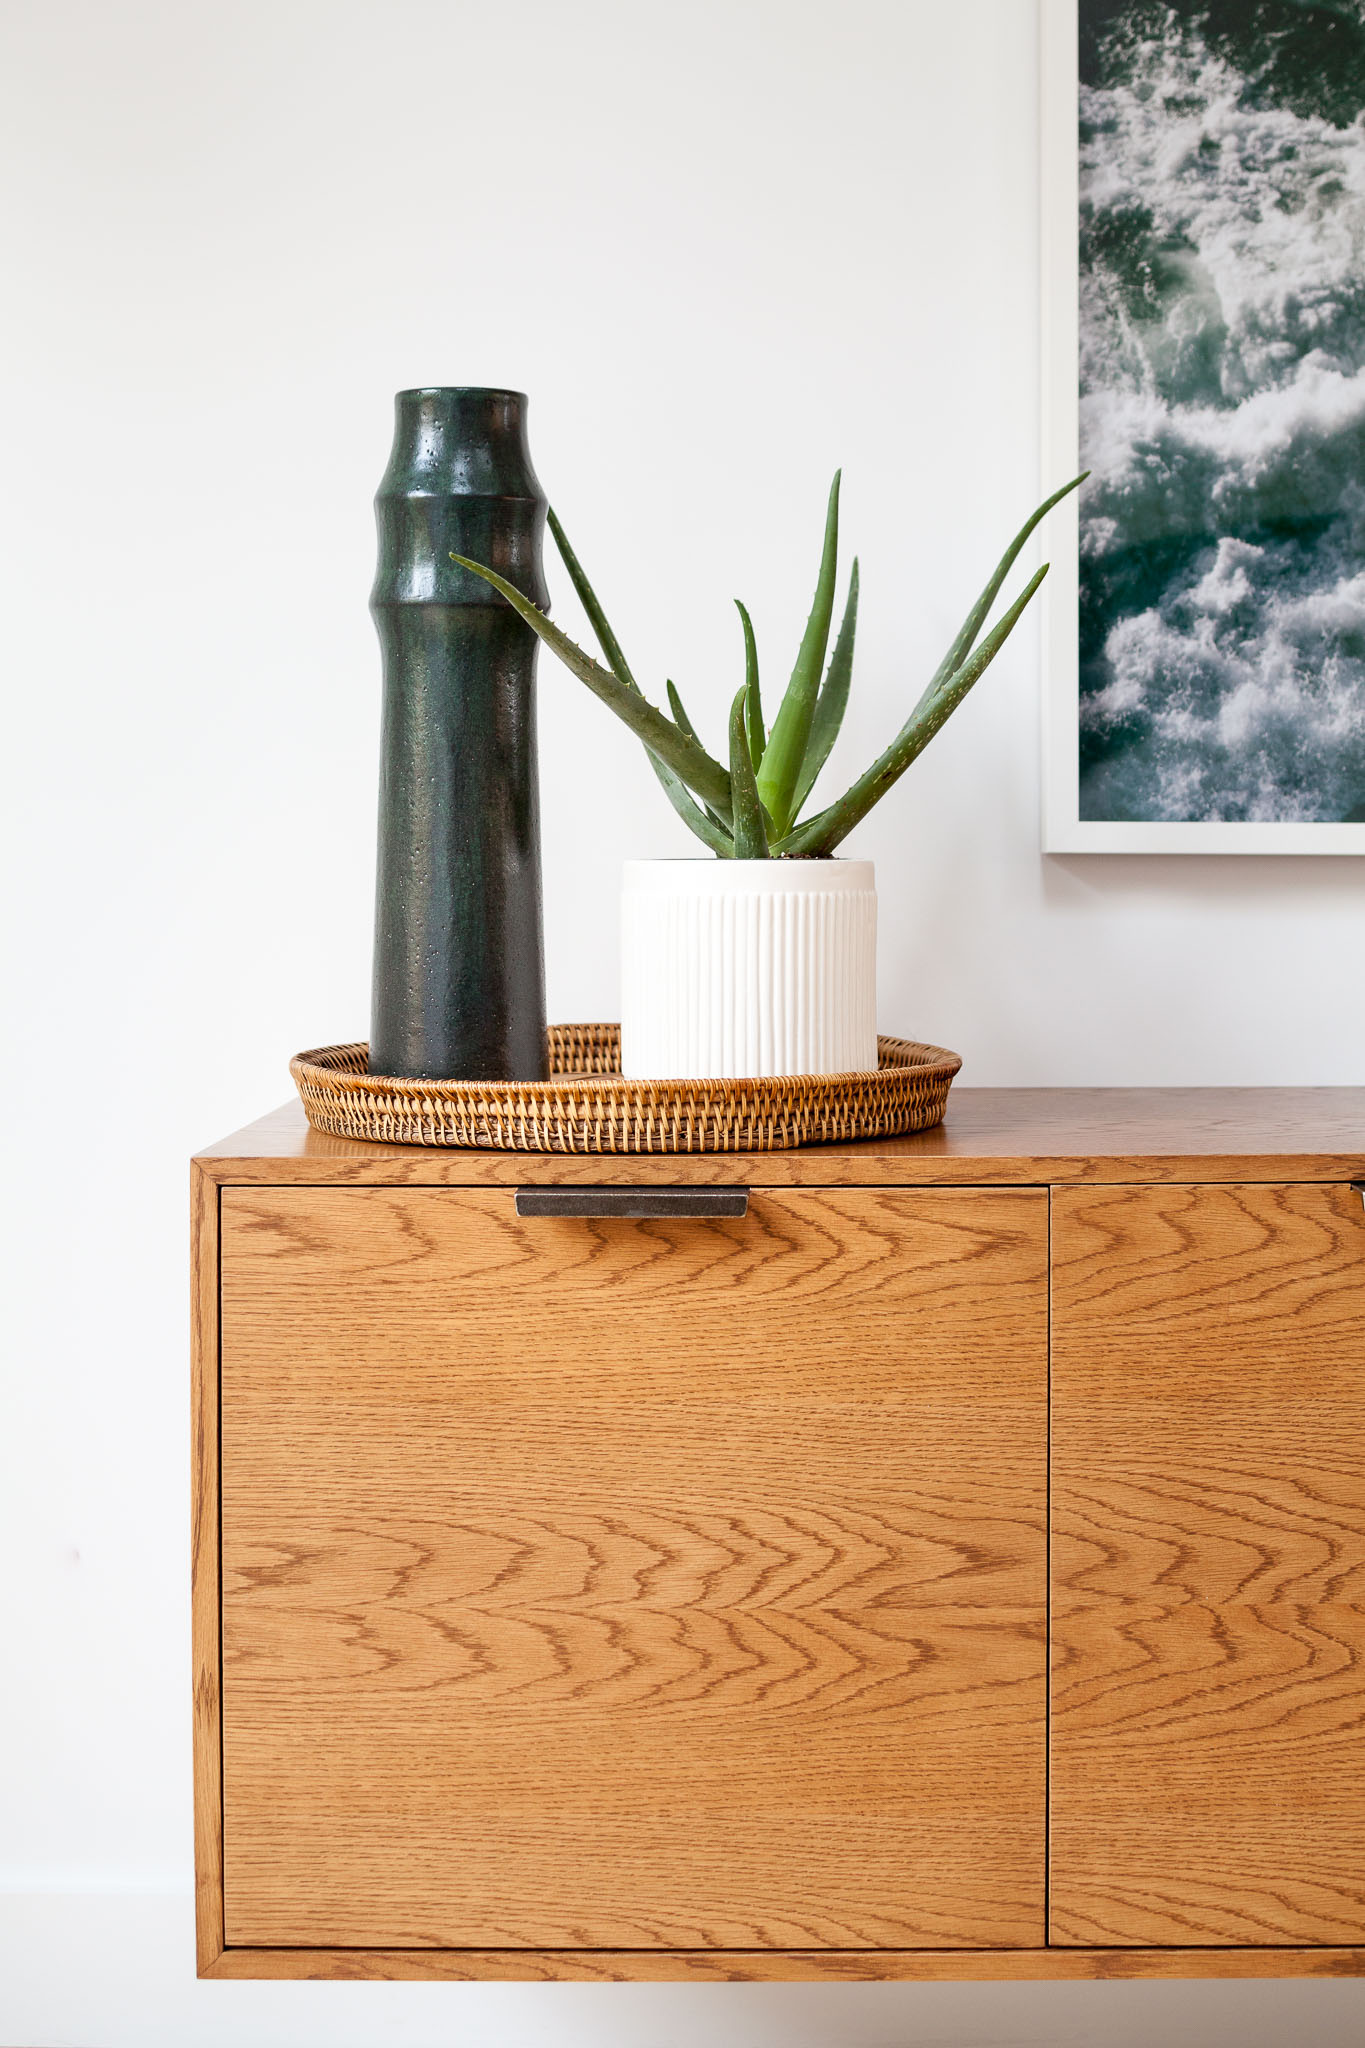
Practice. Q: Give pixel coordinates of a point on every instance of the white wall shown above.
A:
(725, 246)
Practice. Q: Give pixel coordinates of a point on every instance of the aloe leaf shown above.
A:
(751, 832)
(587, 597)
(680, 718)
(698, 818)
(679, 710)
(786, 748)
(701, 819)
(820, 835)
(976, 617)
(753, 701)
(690, 762)
(832, 701)
(704, 822)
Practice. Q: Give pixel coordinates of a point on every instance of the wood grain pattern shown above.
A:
(1208, 1466)
(633, 1584)
(775, 1966)
(990, 1135)
(208, 1789)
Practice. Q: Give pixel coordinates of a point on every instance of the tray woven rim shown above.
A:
(587, 1106)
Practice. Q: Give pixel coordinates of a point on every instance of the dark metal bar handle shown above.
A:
(1359, 1186)
(632, 1202)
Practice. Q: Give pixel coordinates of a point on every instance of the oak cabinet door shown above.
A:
(649, 1584)
(1208, 1491)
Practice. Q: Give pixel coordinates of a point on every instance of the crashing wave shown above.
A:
(1223, 416)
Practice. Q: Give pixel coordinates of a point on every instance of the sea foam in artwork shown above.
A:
(1222, 300)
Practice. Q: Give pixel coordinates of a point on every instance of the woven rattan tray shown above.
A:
(586, 1106)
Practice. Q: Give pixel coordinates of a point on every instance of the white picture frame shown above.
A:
(1064, 830)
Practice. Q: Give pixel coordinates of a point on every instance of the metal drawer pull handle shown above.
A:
(1359, 1186)
(632, 1202)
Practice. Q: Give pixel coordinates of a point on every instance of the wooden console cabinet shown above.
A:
(951, 1566)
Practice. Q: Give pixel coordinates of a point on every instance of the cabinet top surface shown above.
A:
(990, 1135)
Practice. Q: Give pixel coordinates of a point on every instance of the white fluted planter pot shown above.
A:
(748, 967)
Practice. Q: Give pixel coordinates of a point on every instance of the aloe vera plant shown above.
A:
(748, 807)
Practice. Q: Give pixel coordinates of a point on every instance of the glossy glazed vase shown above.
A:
(459, 981)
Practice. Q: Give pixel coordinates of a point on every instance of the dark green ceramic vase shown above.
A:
(459, 979)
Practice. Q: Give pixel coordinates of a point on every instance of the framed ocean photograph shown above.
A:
(1204, 359)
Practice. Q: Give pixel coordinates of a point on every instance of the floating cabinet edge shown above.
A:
(215, 1960)
(780, 1966)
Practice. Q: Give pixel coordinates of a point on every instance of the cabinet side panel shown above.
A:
(204, 1566)
(1208, 1599)
(596, 1583)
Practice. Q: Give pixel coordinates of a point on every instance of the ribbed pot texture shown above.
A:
(736, 968)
